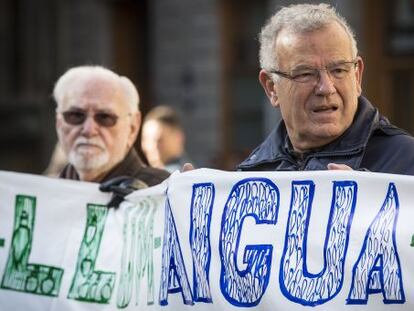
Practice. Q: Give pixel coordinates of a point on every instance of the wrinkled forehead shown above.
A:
(330, 40)
(94, 92)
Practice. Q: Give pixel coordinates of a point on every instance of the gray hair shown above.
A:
(298, 18)
(65, 83)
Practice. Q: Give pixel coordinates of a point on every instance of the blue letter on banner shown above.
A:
(173, 273)
(296, 282)
(201, 208)
(258, 198)
(377, 269)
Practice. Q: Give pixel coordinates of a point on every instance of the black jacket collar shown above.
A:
(276, 145)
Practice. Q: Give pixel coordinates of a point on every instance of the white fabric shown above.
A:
(210, 240)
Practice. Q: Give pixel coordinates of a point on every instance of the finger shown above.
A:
(336, 166)
(187, 167)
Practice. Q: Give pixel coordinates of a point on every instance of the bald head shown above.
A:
(89, 78)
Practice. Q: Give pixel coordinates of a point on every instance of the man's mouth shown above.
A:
(87, 146)
(325, 109)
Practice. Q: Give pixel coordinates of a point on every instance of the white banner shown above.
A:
(210, 240)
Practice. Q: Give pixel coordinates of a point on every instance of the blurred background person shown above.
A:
(163, 139)
(97, 122)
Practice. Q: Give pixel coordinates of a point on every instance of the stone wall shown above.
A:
(185, 69)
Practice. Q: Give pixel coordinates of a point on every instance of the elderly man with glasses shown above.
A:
(97, 122)
(311, 71)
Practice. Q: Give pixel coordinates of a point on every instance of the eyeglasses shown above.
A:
(78, 117)
(337, 71)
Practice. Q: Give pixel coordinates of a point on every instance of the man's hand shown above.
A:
(120, 188)
(187, 167)
(338, 167)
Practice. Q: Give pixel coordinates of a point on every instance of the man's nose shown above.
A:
(325, 85)
(89, 127)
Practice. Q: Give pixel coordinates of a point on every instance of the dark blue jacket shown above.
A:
(370, 143)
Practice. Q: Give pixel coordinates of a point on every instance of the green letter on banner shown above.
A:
(19, 274)
(137, 254)
(87, 284)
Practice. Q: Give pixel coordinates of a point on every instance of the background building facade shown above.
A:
(199, 56)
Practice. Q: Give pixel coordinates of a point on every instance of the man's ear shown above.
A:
(269, 87)
(359, 71)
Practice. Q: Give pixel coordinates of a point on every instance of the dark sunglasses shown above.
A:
(104, 119)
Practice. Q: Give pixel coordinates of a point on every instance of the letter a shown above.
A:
(378, 269)
(173, 268)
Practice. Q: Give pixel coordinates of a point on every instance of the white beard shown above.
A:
(83, 160)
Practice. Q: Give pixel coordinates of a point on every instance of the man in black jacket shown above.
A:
(312, 72)
(97, 121)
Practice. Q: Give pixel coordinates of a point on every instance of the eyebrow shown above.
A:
(303, 67)
(79, 109)
(337, 62)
